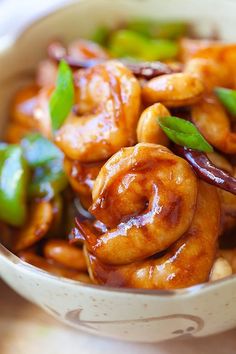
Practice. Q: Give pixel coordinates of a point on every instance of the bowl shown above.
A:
(134, 315)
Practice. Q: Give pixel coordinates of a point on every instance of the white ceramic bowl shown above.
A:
(136, 315)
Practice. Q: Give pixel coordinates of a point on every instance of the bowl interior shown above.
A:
(80, 19)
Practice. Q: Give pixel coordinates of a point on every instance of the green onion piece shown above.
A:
(39, 150)
(184, 133)
(48, 181)
(159, 29)
(101, 35)
(125, 43)
(228, 98)
(62, 99)
(13, 184)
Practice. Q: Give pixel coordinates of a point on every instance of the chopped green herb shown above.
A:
(184, 133)
(62, 98)
(228, 98)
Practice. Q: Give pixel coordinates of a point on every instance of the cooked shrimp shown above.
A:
(23, 107)
(148, 130)
(211, 119)
(146, 196)
(81, 177)
(222, 53)
(211, 72)
(108, 97)
(189, 47)
(15, 133)
(65, 254)
(187, 262)
(173, 90)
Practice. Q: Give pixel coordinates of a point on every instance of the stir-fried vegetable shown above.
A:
(45, 161)
(48, 180)
(159, 29)
(184, 133)
(126, 43)
(228, 98)
(62, 99)
(101, 35)
(39, 150)
(13, 183)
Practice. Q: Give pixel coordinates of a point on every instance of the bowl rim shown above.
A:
(15, 260)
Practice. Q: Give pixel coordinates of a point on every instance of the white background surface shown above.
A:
(25, 329)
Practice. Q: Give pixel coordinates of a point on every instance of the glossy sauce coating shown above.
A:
(146, 196)
(82, 177)
(187, 262)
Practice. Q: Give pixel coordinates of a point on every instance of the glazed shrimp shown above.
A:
(22, 114)
(211, 119)
(223, 54)
(148, 130)
(108, 97)
(81, 177)
(173, 90)
(189, 47)
(187, 262)
(146, 197)
(211, 72)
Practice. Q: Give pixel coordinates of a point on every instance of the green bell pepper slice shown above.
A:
(13, 185)
(101, 36)
(159, 29)
(39, 150)
(48, 180)
(126, 43)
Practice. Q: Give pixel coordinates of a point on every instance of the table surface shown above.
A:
(24, 328)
